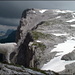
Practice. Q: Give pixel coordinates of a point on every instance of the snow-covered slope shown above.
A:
(56, 64)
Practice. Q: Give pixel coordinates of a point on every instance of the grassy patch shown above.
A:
(36, 35)
(39, 45)
(46, 23)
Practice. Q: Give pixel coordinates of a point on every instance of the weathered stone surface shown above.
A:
(69, 56)
(37, 26)
(45, 30)
(7, 69)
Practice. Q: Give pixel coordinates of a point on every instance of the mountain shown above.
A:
(10, 37)
(6, 34)
(2, 33)
(46, 40)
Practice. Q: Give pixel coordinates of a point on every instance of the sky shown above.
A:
(10, 11)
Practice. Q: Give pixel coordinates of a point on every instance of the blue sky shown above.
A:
(10, 11)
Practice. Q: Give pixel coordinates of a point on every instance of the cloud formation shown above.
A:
(5, 27)
(9, 21)
(14, 9)
(10, 11)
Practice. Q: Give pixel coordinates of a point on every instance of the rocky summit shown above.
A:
(46, 40)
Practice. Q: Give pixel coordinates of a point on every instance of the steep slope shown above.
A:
(50, 31)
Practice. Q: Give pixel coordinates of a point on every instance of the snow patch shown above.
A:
(65, 48)
(60, 34)
(63, 11)
(56, 64)
(42, 11)
(34, 11)
(58, 17)
(38, 41)
(72, 25)
(72, 20)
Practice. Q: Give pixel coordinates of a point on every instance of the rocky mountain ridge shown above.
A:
(46, 29)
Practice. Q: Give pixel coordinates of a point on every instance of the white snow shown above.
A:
(34, 12)
(72, 25)
(42, 11)
(71, 37)
(38, 41)
(58, 17)
(65, 48)
(72, 20)
(74, 13)
(56, 64)
(59, 34)
(62, 11)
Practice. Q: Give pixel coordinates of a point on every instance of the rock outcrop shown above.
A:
(44, 29)
(35, 24)
(69, 56)
(8, 69)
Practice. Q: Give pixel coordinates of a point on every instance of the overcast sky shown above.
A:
(10, 11)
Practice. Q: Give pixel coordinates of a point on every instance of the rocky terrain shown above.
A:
(9, 69)
(52, 33)
(35, 26)
(46, 41)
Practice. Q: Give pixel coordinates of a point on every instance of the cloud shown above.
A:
(5, 27)
(14, 9)
(10, 11)
(9, 21)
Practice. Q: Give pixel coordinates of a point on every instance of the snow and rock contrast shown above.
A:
(53, 35)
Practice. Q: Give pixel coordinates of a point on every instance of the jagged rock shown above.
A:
(8, 69)
(69, 56)
(35, 25)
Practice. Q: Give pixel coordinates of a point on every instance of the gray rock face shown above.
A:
(6, 69)
(45, 28)
(34, 26)
(69, 56)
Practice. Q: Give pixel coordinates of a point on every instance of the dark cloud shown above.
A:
(14, 9)
(9, 21)
(10, 11)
